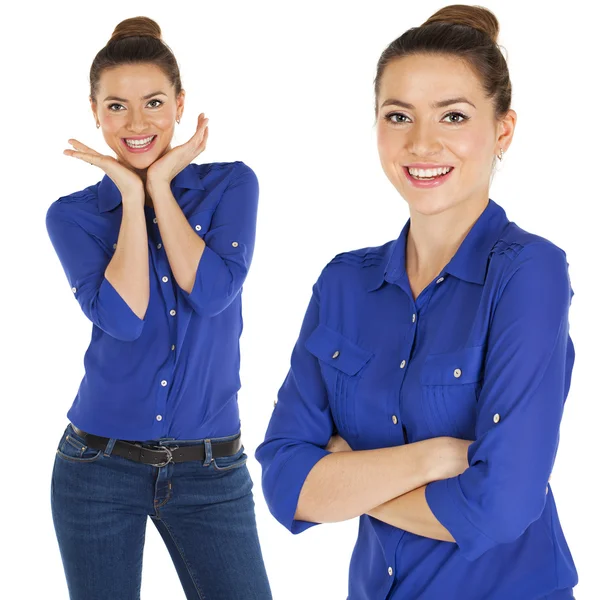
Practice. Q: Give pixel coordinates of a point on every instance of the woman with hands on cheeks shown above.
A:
(455, 332)
(156, 254)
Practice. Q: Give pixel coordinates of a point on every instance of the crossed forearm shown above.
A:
(412, 513)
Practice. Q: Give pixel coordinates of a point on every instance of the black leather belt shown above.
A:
(160, 456)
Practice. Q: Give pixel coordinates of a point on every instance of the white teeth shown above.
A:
(428, 173)
(139, 143)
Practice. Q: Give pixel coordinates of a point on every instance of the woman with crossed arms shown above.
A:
(455, 332)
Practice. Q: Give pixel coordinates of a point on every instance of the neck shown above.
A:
(433, 240)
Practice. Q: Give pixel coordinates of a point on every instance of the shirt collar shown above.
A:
(109, 196)
(470, 261)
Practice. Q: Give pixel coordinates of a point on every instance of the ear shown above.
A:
(506, 130)
(180, 103)
(94, 107)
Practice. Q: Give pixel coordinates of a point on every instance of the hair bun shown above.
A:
(136, 27)
(477, 17)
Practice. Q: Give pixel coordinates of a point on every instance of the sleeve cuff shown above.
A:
(127, 325)
(289, 480)
(443, 498)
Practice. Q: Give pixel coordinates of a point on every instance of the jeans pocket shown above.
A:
(73, 448)
(228, 463)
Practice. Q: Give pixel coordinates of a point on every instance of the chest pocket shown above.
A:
(342, 365)
(451, 383)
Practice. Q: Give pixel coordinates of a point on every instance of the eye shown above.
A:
(392, 118)
(456, 114)
(158, 103)
(115, 107)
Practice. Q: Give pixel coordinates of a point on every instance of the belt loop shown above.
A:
(208, 453)
(109, 447)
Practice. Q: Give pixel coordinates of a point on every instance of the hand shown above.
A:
(338, 444)
(449, 457)
(128, 182)
(175, 160)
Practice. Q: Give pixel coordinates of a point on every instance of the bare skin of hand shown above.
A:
(161, 172)
(128, 182)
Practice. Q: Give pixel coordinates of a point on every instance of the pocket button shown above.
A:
(457, 373)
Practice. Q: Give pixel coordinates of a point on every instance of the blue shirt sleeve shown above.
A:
(300, 428)
(526, 380)
(84, 262)
(225, 262)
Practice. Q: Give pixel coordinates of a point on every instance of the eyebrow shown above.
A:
(440, 104)
(116, 99)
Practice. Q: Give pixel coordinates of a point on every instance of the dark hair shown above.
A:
(135, 40)
(467, 32)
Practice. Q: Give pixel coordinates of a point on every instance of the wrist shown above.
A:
(157, 187)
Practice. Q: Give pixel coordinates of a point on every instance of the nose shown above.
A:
(137, 121)
(422, 140)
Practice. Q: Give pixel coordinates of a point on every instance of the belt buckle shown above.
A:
(169, 456)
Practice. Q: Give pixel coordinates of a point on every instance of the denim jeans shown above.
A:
(203, 511)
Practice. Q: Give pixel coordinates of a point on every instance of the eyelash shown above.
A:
(455, 112)
(111, 106)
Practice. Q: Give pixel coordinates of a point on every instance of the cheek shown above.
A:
(111, 123)
(471, 146)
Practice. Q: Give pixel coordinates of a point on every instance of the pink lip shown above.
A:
(426, 184)
(139, 150)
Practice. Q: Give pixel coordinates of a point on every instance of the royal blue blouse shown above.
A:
(174, 373)
(482, 354)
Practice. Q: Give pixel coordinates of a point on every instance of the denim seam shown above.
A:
(201, 595)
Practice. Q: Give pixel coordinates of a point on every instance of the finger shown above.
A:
(82, 147)
(88, 157)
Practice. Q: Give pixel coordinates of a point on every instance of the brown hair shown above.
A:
(135, 40)
(467, 32)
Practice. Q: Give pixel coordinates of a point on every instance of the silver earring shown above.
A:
(501, 155)
(97, 125)
(177, 119)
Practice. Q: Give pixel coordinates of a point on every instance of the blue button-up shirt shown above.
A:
(174, 373)
(482, 354)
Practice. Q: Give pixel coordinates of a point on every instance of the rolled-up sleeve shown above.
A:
(226, 259)
(300, 428)
(526, 380)
(84, 262)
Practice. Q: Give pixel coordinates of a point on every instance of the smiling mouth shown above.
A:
(138, 144)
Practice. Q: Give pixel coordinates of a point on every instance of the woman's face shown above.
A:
(136, 107)
(433, 113)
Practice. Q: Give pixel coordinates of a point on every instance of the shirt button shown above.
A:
(155, 220)
(496, 418)
(159, 417)
(546, 489)
(390, 571)
(163, 382)
(457, 373)
(73, 289)
(114, 246)
(440, 280)
(165, 279)
(198, 227)
(403, 364)
(172, 312)
(173, 347)
(394, 419)
(414, 318)
(158, 246)
(234, 244)
(335, 354)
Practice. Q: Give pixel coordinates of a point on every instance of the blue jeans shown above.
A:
(203, 511)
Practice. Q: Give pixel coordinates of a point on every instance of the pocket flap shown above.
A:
(334, 349)
(454, 368)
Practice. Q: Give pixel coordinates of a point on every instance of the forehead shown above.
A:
(427, 78)
(132, 81)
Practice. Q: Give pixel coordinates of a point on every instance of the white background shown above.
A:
(288, 89)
